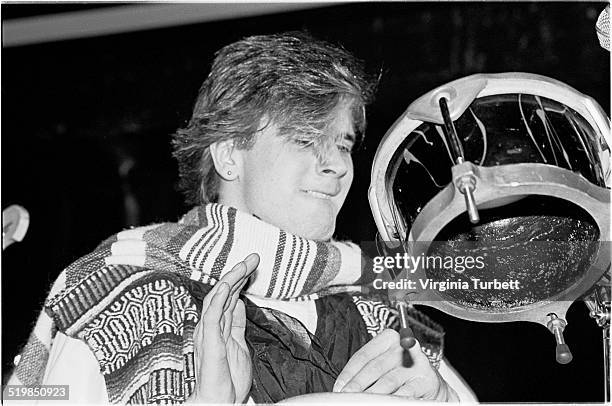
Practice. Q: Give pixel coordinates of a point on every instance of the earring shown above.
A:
(229, 173)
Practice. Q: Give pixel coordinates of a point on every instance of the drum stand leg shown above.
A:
(606, 352)
(598, 302)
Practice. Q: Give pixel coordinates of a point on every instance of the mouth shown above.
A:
(318, 195)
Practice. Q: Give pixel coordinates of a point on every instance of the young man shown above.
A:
(266, 161)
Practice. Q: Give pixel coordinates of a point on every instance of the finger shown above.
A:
(236, 278)
(252, 261)
(389, 383)
(373, 370)
(233, 278)
(228, 278)
(235, 294)
(419, 387)
(241, 272)
(211, 353)
(239, 316)
(418, 357)
(239, 324)
(226, 325)
(421, 379)
(377, 346)
(212, 316)
(230, 306)
(235, 275)
(208, 297)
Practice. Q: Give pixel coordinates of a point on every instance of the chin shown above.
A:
(318, 231)
(312, 221)
(319, 224)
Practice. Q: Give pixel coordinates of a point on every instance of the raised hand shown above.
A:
(222, 359)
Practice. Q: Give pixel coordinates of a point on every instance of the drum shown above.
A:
(498, 186)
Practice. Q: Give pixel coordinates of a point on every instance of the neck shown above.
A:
(229, 196)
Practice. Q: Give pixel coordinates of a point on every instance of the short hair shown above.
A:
(292, 79)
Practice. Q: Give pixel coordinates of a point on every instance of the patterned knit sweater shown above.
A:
(136, 299)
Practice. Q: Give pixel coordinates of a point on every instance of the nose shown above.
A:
(333, 163)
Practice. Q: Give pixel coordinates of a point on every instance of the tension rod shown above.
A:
(467, 184)
(451, 133)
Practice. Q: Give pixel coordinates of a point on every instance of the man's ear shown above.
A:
(223, 154)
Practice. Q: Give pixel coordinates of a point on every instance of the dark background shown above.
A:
(75, 112)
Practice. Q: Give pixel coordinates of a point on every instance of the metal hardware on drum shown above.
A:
(598, 302)
(450, 132)
(556, 326)
(467, 183)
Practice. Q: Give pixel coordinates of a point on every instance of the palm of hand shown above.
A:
(237, 354)
(222, 359)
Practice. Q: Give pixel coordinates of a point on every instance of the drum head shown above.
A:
(544, 245)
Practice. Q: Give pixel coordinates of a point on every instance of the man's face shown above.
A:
(287, 185)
